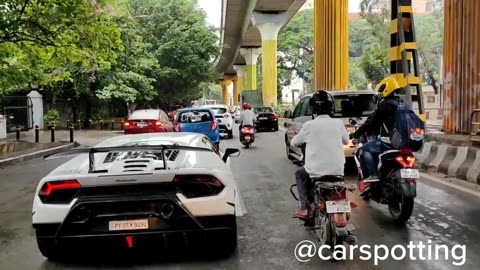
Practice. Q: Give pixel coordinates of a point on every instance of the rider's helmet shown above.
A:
(246, 106)
(321, 103)
(387, 87)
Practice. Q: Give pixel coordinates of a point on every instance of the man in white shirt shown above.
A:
(324, 138)
(247, 118)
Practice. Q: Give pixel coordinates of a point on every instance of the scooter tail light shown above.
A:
(336, 196)
(340, 219)
(406, 161)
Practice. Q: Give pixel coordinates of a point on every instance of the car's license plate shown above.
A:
(342, 206)
(263, 118)
(351, 130)
(247, 137)
(124, 225)
(410, 173)
(142, 125)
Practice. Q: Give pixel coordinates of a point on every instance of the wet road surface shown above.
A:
(267, 233)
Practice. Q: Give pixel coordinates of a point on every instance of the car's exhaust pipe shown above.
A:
(166, 210)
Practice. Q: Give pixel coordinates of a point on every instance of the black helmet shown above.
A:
(321, 103)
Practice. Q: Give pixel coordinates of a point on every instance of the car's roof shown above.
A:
(215, 106)
(195, 109)
(181, 138)
(348, 92)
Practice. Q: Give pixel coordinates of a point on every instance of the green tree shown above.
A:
(296, 43)
(40, 40)
(177, 36)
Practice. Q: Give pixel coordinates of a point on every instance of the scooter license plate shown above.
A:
(342, 206)
(410, 173)
(247, 137)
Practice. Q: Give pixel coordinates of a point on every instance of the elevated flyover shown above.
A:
(250, 29)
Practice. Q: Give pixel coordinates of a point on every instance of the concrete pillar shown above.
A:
(37, 108)
(225, 83)
(251, 56)
(269, 25)
(331, 44)
(461, 66)
(240, 69)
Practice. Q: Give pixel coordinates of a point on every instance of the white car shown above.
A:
(224, 118)
(236, 114)
(122, 194)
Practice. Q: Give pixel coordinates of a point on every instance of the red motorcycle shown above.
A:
(247, 135)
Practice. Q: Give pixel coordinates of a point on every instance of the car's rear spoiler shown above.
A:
(150, 148)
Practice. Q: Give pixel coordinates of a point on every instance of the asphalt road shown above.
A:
(267, 233)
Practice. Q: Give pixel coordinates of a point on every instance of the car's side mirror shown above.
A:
(288, 114)
(230, 152)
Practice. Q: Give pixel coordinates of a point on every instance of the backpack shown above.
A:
(408, 130)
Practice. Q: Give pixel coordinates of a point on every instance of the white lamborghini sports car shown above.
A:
(138, 191)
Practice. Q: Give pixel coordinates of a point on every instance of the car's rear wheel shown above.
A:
(49, 249)
(230, 133)
(226, 243)
(275, 129)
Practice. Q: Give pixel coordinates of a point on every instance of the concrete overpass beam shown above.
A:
(269, 25)
(240, 85)
(251, 55)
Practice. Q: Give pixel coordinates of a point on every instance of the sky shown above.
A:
(213, 9)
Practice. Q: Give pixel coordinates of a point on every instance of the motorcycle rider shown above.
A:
(324, 138)
(378, 125)
(247, 118)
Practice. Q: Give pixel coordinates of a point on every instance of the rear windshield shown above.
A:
(148, 114)
(263, 110)
(195, 117)
(219, 110)
(354, 105)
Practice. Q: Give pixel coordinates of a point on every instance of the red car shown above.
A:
(147, 121)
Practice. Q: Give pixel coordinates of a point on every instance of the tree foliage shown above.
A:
(296, 43)
(148, 52)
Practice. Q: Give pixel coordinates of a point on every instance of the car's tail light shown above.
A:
(59, 191)
(213, 125)
(127, 124)
(336, 196)
(273, 117)
(158, 123)
(177, 126)
(407, 161)
(193, 186)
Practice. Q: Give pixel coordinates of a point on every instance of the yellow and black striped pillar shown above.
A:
(331, 44)
(404, 64)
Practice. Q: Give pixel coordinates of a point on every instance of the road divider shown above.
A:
(461, 162)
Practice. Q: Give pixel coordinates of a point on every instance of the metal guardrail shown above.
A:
(474, 132)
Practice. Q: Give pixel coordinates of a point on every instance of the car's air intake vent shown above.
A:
(111, 157)
(172, 154)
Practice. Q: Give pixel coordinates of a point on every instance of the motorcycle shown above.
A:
(330, 222)
(247, 136)
(397, 184)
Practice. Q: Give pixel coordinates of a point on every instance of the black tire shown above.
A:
(230, 134)
(226, 244)
(275, 128)
(49, 249)
(401, 208)
(247, 145)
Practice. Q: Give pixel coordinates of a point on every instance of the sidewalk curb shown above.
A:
(14, 160)
(454, 183)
